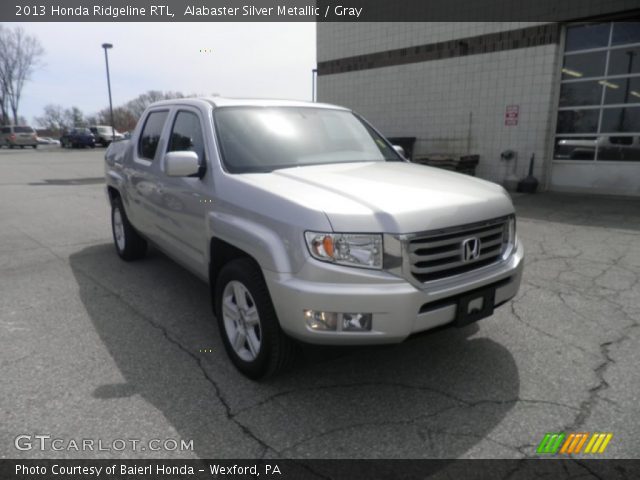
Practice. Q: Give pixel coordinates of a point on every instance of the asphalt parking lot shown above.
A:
(92, 347)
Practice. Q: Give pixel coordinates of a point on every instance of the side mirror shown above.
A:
(400, 150)
(181, 164)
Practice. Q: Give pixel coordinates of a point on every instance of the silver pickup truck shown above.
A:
(308, 225)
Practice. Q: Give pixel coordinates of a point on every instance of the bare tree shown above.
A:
(74, 117)
(20, 54)
(142, 101)
(53, 118)
(123, 119)
(4, 95)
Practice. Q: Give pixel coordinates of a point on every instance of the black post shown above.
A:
(623, 110)
(314, 76)
(106, 46)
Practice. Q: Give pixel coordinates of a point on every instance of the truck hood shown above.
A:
(390, 197)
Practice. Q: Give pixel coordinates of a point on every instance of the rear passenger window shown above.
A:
(187, 134)
(6, 130)
(151, 134)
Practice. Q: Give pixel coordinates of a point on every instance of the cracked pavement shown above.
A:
(92, 347)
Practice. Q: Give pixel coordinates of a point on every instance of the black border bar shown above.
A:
(14, 469)
(308, 10)
(492, 42)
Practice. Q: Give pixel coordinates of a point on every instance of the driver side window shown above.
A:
(186, 134)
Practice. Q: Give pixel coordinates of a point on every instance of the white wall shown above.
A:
(613, 178)
(432, 100)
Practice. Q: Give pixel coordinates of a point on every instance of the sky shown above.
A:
(272, 60)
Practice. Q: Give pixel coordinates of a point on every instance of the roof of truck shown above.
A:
(248, 102)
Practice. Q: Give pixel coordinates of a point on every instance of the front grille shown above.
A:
(440, 254)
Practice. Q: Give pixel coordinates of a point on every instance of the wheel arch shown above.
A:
(113, 193)
(221, 253)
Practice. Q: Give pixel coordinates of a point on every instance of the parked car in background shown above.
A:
(48, 141)
(104, 134)
(18, 136)
(78, 137)
(615, 147)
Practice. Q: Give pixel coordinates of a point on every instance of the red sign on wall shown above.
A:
(511, 115)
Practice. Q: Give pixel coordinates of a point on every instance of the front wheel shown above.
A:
(129, 244)
(248, 323)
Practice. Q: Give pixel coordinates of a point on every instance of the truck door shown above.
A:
(184, 200)
(143, 195)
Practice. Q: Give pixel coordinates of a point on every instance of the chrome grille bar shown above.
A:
(440, 255)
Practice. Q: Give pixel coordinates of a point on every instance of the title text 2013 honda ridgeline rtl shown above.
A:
(309, 225)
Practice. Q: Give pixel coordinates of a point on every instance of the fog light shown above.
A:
(332, 321)
(321, 320)
(356, 322)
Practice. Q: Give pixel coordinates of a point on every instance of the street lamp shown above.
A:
(107, 46)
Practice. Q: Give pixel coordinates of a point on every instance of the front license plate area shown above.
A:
(474, 306)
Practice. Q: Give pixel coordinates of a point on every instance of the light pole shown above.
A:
(107, 46)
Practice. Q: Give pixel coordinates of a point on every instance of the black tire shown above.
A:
(130, 246)
(21, 147)
(277, 351)
(34, 146)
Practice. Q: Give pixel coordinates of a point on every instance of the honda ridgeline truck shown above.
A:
(308, 225)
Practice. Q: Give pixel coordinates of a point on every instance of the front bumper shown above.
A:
(399, 308)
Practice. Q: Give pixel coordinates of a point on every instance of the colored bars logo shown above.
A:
(572, 443)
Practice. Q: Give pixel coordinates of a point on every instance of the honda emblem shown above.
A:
(470, 249)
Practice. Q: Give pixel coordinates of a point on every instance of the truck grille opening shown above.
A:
(441, 254)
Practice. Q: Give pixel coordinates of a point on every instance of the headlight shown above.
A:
(353, 249)
(509, 237)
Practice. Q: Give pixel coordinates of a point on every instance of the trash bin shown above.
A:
(406, 143)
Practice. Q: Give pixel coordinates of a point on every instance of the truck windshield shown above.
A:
(263, 139)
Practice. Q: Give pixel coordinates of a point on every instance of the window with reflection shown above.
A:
(584, 65)
(599, 102)
(577, 94)
(622, 90)
(621, 120)
(575, 148)
(619, 148)
(186, 134)
(624, 61)
(578, 121)
(625, 32)
(584, 37)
